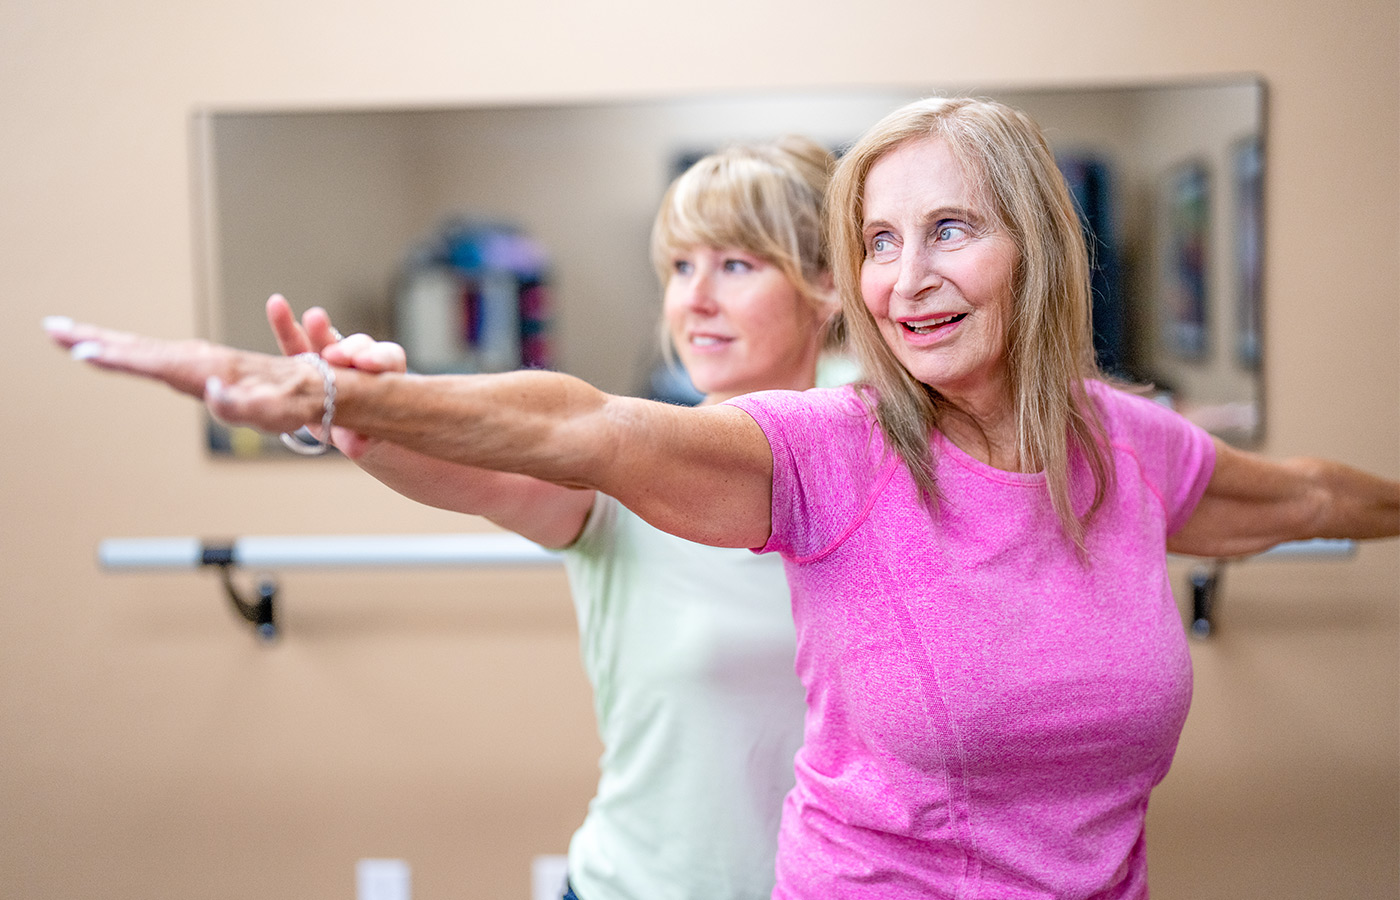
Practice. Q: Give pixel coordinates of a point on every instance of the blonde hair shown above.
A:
(1049, 339)
(764, 199)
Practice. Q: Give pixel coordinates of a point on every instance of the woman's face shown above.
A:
(937, 276)
(738, 324)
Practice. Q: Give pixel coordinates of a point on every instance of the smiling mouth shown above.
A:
(929, 326)
(707, 340)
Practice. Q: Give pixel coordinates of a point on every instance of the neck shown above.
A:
(989, 434)
(803, 378)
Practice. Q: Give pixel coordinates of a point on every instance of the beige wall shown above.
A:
(151, 748)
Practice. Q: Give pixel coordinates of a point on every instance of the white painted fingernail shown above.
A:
(86, 350)
(57, 323)
(213, 389)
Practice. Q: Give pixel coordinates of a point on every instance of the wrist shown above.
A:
(303, 441)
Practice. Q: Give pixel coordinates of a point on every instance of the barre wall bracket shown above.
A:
(1206, 577)
(260, 610)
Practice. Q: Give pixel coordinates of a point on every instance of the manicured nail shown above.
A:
(213, 389)
(86, 350)
(57, 323)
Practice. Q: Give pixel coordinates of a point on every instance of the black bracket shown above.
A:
(1205, 592)
(261, 611)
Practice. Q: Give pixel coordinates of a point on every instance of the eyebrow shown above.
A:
(934, 216)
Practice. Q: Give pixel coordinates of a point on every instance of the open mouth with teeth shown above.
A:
(708, 340)
(929, 326)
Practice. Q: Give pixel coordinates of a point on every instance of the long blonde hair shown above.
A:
(766, 199)
(1049, 341)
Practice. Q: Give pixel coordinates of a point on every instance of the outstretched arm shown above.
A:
(1253, 503)
(704, 474)
(546, 513)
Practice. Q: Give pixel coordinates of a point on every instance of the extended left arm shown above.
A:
(1253, 503)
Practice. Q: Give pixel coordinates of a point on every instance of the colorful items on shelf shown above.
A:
(475, 298)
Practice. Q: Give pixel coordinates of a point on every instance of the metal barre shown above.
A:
(364, 551)
(326, 551)
(504, 549)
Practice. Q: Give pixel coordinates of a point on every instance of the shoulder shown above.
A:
(1174, 456)
(1130, 416)
(828, 408)
(822, 427)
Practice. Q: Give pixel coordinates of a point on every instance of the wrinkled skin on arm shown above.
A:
(1253, 503)
(704, 474)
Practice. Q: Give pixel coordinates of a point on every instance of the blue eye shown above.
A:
(682, 266)
(737, 265)
(951, 232)
(882, 247)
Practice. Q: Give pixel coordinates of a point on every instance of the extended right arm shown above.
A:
(704, 474)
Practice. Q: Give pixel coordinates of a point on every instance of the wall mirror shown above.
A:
(490, 236)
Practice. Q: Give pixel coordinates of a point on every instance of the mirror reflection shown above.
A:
(491, 237)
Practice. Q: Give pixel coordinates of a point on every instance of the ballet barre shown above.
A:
(326, 551)
(315, 552)
(488, 549)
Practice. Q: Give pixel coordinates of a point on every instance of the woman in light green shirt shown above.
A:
(689, 647)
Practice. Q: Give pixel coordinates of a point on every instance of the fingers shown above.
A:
(351, 444)
(319, 329)
(273, 393)
(291, 336)
(316, 334)
(67, 333)
(59, 328)
(360, 351)
(184, 365)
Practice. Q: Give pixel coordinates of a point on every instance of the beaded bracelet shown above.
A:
(302, 441)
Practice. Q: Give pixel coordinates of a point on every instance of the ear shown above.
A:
(833, 320)
(826, 298)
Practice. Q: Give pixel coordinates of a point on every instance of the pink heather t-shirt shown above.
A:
(986, 714)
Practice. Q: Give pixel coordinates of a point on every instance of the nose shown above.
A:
(698, 292)
(917, 273)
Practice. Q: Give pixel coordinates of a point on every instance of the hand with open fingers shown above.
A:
(316, 334)
(272, 393)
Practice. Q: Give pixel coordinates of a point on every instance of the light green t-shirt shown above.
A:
(690, 652)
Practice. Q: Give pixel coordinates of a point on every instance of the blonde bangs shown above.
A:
(766, 201)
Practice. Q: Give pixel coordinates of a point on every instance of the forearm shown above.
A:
(541, 424)
(1253, 503)
(1355, 504)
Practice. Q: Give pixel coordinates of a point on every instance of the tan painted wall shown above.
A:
(148, 747)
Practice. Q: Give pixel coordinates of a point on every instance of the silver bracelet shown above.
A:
(302, 441)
